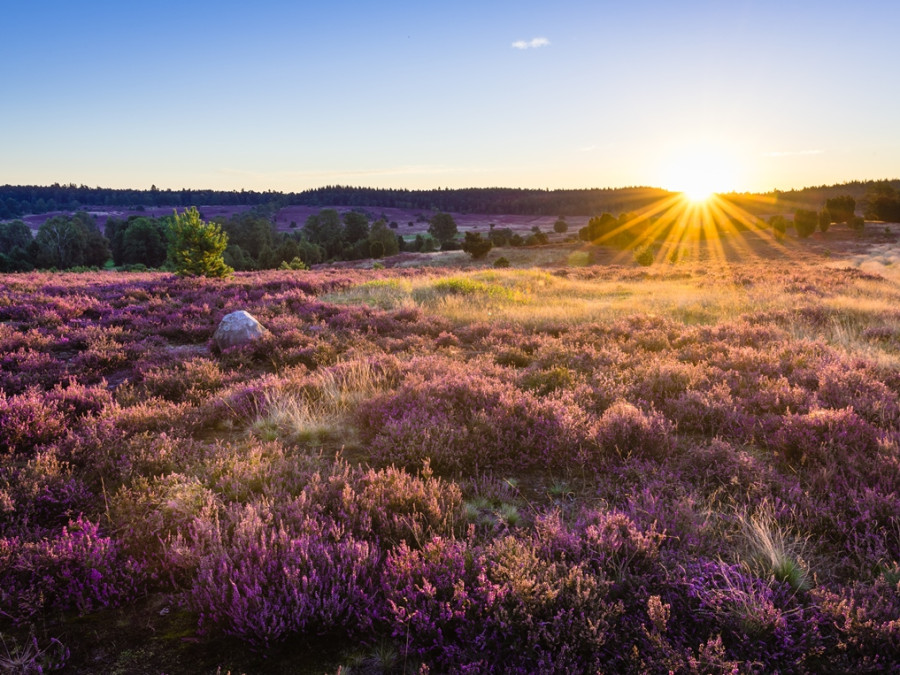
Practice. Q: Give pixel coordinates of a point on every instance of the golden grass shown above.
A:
(320, 410)
(531, 298)
(688, 293)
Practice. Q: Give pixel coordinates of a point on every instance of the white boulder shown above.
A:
(238, 328)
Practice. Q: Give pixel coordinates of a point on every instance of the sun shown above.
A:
(699, 173)
(698, 194)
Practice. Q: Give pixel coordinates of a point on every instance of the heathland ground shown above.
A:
(574, 464)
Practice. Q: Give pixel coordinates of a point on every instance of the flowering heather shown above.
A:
(462, 419)
(272, 579)
(602, 469)
(79, 569)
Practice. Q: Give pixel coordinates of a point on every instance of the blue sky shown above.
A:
(292, 95)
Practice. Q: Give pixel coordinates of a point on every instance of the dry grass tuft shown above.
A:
(320, 411)
(770, 550)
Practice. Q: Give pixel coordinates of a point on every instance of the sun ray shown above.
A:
(714, 231)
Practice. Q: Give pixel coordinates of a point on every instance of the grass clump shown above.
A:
(770, 551)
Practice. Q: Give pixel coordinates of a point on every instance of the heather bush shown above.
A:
(270, 580)
(712, 413)
(506, 607)
(438, 600)
(820, 434)
(729, 474)
(150, 415)
(79, 569)
(239, 403)
(465, 420)
(77, 401)
(26, 368)
(192, 381)
(389, 504)
(609, 543)
(244, 472)
(774, 396)
(871, 399)
(41, 496)
(761, 623)
(625, 429)
(543, 382)
(550, 616)
(863, 622)
(29, 420)
(154, 519)
(661, 380)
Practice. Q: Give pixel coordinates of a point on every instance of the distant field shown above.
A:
(419, 219)
(575, 465)
(299, 214)
(102, 213)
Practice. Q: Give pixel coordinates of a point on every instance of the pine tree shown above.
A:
(196, 248)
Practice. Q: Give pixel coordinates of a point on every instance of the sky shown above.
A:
(287, 96)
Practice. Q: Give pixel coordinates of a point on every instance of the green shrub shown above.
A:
(295, 264)
(644, 257)
(779, 226)
(501, 262)
(476, 245)
(805, 222)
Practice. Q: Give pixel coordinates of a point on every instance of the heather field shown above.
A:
(689, 468)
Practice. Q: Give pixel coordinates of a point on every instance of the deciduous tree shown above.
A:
(442, 227)
(382, 234)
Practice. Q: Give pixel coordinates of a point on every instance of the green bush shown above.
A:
(501, 262)
(805, 222)
(295, 264)
(644, 257)
(779, 226)
(476, 245)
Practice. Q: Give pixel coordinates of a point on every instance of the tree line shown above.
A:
(248, 241)
(16, 201)
(21, 200)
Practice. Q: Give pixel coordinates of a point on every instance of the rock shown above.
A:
(238, 328)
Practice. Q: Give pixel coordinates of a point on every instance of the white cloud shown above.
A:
(791, 153)
(534, 43)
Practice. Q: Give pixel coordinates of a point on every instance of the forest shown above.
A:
(16, 201)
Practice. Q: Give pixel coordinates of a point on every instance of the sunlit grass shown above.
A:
(533, 298)
(319, 411)
(688, 294)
